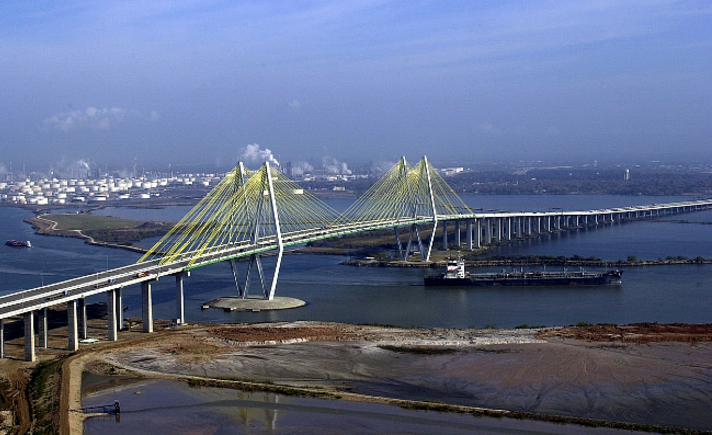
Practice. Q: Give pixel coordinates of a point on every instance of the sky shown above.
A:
(215, 81)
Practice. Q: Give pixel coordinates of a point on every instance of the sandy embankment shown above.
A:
(668, 383)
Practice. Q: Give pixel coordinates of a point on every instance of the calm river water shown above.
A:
(394, 296)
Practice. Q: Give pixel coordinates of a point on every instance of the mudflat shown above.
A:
(665, 381)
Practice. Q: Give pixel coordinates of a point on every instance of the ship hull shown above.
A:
(18, 244)
(528, 279)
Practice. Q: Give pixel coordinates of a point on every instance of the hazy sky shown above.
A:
(198, 81)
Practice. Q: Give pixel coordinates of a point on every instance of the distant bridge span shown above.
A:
(252, 213)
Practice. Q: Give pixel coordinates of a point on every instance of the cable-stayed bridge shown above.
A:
(251, 213)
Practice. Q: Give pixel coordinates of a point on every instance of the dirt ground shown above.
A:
(651, 374)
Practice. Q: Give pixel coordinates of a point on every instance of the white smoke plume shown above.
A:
(380, 168)
(301, 168)
(79, 168)
(253, 154)
(333, 166)
(3, 169)
(82, 164)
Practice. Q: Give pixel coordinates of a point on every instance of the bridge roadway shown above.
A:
(27, 302)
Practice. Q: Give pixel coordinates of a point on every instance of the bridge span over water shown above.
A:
(251, 213)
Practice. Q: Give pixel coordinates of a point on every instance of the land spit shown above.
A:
(550, 374)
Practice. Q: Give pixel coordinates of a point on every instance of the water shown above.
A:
(379, 295)
(173, 407)
(396, 295)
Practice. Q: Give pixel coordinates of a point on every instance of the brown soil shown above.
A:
(278, 334)
(555, 371)
(637, 333)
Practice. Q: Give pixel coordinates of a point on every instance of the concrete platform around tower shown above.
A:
(233, 303)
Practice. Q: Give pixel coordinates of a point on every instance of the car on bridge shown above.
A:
(144, 274)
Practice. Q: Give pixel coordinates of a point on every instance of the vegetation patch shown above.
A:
(43, 391)
(104, 229)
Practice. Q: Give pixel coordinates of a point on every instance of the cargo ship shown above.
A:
(19, 243)
(455, 275)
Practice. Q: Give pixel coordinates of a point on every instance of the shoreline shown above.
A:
(47, 227)
(192, 356)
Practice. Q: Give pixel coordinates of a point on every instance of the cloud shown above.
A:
(91, 117)
(154, 116)
(295, 104)
(253, 154)
(95, 118)
(488, 128)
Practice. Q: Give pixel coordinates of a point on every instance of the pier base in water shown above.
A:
(254, 304)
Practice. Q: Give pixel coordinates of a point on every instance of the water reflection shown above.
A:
(173, 407)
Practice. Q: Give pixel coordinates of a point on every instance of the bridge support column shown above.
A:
(29, 319)
(146, 306)
(112, 333)
(120, 308)
(478, 233)
(444, 235)
(42, 328)
(508, 234)
(469, 234)
(72, 327)
(458, 241)
(528, 226)
(2, 338)
(488, 231)
(498, 233)
(520, 224)
(180, 300)
(82, 318)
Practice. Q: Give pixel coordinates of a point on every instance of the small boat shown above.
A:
(19, 243)
(455, 275)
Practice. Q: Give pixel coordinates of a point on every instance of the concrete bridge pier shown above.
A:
(146, 306)
(488, 231)
(180, 299)
(444, 235)
(72, 327)
(520, 227)
(42, 328)
(2, 338)
(458, 241)
(478, 233)
(82, 317)
(120, 308)
(111, 305)
(29, 318)
(498, 233)
(468, 234)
